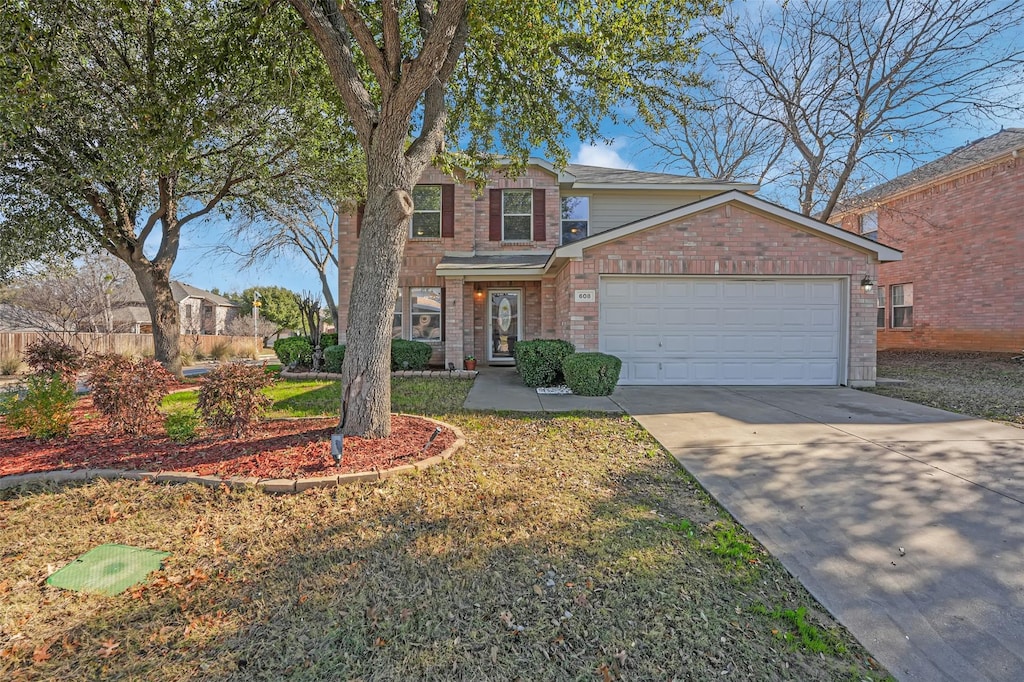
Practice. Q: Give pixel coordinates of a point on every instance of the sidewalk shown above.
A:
(500, 388)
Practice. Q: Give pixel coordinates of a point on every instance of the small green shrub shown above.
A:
(10, 363)
(413, 355)
(45, 407)
(231, 397)
(334, 356)
(295, 350)
(181, 427)
(49, 356)
(128, 391)
(540, 361)
(327, 340)
(221, 351)
(591, 373)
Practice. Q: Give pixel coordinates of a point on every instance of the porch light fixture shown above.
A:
(478, 293)
(867, 284)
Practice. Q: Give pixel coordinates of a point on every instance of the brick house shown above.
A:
(199, 311)
(960, 285)
(688, 281)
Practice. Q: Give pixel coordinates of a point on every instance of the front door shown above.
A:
(504, 323)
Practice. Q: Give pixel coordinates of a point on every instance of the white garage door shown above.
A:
(722, 331)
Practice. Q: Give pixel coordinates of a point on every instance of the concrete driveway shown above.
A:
(834, 482)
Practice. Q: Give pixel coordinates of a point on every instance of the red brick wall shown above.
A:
(728, 241)
(963, 250)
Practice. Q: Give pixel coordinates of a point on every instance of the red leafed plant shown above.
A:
(128, 392)
(231, 397)
(50, 356)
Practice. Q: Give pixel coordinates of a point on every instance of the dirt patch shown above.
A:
(989, 385)
(288, 448)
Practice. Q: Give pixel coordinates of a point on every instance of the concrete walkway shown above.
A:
(501, 388)
(906, 522)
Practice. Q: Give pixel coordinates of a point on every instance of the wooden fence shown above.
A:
(124, 344)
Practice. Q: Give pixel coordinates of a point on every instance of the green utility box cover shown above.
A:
(108, 569)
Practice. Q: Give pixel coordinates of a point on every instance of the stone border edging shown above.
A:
(433, 373)
(269, 485)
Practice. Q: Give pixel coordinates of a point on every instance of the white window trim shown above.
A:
(868, 225)
(439, 212)
(529, 215)
(882, 305)
(893, 306)
(561, 231)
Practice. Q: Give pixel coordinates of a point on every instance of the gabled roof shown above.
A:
(596, 177)
(181, 291)
(884, 253)
(977, 153)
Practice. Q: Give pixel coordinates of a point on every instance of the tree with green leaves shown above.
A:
(277, 304)
(126, 121)
(418, 78)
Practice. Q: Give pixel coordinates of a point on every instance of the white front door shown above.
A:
(504, 323)
(719, 331)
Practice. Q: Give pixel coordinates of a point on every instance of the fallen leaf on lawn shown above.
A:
(606, 674)
(108, 648)
(41, 654)
(303, 598)
(380, 642)
(538, 591)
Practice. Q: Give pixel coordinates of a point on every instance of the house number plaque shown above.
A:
(585, 295)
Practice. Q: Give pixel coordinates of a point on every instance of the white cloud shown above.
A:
(603, 155)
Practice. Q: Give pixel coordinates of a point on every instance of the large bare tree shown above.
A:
(852, 85)
(479, 74)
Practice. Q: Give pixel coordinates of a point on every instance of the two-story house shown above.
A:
(960, 285)
(688, 281)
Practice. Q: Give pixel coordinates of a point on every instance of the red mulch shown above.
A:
(291, 448)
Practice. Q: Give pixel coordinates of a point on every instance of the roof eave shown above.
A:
(668, 186)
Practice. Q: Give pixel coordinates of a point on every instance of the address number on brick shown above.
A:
(586, 295)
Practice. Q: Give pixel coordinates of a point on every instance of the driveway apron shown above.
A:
(906, 522)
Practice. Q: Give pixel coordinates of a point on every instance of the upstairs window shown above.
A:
(426, 212)
(869, 225)
(575, 218)
(902, 306)
(516, 215)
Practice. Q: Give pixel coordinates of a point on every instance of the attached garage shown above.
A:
(724, 331)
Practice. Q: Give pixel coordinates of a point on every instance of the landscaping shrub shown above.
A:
(591, 373)
(222, 350)
(49, 356)
(334, 356)
(248, 351)
(409, 354)
(44, 409)
(10, 363)
(295, 350)
(188, 357)
(128, 391)
(231, 397)
(540, 361)
(327, 340)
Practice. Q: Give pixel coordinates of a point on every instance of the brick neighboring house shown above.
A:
(199, 312)
(688, 281)
(960, 285)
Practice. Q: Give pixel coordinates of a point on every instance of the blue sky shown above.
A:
(196, 265)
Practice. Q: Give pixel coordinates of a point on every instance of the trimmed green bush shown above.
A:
(45, 407)
(540, 361)
(409, 355)
(327, 340)
(294, 350)
(334, 356)
(591, 373)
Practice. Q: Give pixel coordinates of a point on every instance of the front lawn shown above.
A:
(549, 548)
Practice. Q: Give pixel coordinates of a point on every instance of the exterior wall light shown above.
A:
(867, 284)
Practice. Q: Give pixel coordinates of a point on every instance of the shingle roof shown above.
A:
(180, 290)
(619, 176)
(977, 152)
(484, 262)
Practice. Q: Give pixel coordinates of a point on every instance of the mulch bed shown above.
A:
(288, 448)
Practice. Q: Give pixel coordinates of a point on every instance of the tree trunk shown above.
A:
(332, 307)
(366, 373)
(156, 290)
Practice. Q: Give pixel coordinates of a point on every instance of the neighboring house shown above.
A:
(688, 281)
(958, 220)
(199, 311)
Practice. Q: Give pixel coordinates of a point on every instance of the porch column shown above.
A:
(454, 314)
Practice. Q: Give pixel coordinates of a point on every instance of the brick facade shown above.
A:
(963, 246)
(728, 240)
